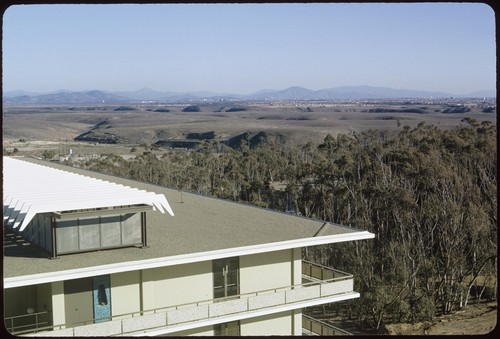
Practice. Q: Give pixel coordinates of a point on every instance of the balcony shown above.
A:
(27, 323)
(320, 285)
(311, 326)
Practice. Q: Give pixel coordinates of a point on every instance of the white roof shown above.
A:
(29, 189)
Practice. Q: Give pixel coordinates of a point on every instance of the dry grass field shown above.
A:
(31, 130)
(52, 126)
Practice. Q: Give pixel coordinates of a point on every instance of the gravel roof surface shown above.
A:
(200, 224)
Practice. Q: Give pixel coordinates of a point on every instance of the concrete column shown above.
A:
(58, 307)
(147, 290)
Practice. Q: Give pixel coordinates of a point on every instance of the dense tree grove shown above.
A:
(429, 195)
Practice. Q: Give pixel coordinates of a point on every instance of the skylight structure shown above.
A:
(38, 196)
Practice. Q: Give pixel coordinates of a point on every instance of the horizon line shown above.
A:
(57, 91)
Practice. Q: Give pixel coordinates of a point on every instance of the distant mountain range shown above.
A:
(291, 93)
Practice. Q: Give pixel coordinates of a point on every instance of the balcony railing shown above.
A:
(320, 272)
(27, 323)
(322, 282)
(311, 326)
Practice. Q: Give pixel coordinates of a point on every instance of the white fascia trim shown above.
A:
(246, 315)
(41, 278)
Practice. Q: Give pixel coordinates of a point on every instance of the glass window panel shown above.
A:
(67, 236)
(226, 280)
(131, 229)
(233, 328)
(89, 233)
(110, 231)
(219, 293)
(232, 290)
(218, 280)
(227, 329)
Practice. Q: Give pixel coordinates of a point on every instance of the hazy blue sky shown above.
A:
(245, 48)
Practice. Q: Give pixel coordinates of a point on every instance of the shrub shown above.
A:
(191, 109)
(47, 155)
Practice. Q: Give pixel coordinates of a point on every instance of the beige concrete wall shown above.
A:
(297, 280)
(125, 293)
(169, 286)
(58, 308)
(273, 324)
(297, 266)
(265, 271)
(297, 322)
(148, 291)
(78, 301)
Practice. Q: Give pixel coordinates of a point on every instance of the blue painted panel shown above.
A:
(102, 299)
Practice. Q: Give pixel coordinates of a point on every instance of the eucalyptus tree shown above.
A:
(428, 194)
